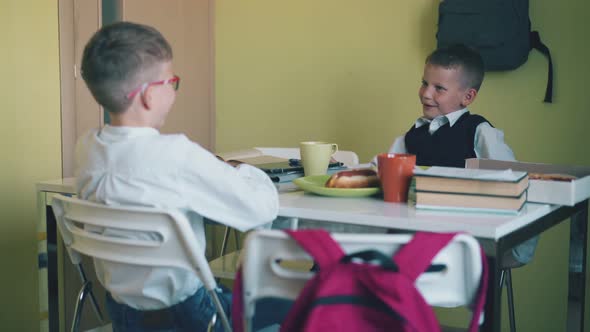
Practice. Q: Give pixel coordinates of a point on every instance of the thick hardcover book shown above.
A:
(469, 202)
(471, 181)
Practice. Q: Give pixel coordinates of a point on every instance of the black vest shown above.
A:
(448, 146)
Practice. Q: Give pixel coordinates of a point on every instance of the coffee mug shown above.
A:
(315, 156)
(395, 172)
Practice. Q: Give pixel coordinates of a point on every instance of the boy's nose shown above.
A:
(426, 92)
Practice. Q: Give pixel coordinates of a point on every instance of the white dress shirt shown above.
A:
(140, 166)
(488, 142)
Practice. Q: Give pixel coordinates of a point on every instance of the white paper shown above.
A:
(471, 173)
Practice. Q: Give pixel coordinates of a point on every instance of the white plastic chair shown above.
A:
(224, 265)
(263, 276)
(175, 245)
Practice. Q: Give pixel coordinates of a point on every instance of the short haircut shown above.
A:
(119, 58)
(461, 57)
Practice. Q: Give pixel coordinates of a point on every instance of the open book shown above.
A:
(251, 156)
(278, 169)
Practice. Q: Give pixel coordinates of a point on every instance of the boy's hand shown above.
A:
(234, 163)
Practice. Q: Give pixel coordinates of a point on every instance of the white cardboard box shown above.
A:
(542, 191)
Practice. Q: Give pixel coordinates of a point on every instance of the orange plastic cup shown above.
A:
(395, 172)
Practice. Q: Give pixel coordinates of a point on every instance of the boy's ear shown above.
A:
(147, 98)
(469, 97)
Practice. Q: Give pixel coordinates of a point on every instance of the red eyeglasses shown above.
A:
(174, 80)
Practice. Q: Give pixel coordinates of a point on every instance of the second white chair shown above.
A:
(264, 276)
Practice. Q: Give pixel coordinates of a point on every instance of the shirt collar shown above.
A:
(117, 132)
(451, 117)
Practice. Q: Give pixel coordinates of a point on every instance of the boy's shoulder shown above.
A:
(179, 143)
(173, 138)
(476, 118)
(466, 115)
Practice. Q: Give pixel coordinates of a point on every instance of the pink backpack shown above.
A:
(365, 297)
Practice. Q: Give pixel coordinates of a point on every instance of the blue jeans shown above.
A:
(192, 314)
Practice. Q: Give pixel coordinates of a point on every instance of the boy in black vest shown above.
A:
(447, 133)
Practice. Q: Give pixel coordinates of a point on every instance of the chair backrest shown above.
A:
(172, 242)
(348, 158)
(266, 252)
(167, 240)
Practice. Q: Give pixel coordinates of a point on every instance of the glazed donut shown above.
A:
(357, 178)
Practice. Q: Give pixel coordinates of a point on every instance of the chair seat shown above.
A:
(104, 328)
(226, 266)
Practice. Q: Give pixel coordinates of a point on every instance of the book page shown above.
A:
(251, 157)
(471, 173)
(240, 154)
(260, 160)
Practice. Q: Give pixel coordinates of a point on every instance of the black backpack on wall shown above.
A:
(499, 29)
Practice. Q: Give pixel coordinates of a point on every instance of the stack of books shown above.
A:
(502, 191)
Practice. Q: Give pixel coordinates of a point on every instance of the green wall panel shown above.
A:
(30, 146)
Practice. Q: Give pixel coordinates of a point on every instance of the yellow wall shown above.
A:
(348, 71)
(345, 71)
(30, 146)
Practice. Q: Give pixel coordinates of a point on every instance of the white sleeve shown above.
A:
(243, 197)
(398, 146)
(489, 143)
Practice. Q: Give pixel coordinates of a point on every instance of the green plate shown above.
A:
(316, 184)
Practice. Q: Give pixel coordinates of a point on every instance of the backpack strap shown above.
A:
(415, 256)
(537, 44)
(319, 244)
(237, 304)
(480, 301)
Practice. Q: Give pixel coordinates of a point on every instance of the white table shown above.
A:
(497, 233)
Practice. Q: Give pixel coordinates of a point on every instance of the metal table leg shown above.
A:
(492, 309)
(577, 269)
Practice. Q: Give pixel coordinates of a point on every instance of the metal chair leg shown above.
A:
(224, 244)
(93, 301)
(220, 311)
(80, 305)
(237, 239)
(211, 326)
(510, 300)
(225, 240)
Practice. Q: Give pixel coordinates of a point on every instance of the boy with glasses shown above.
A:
(128, 69)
